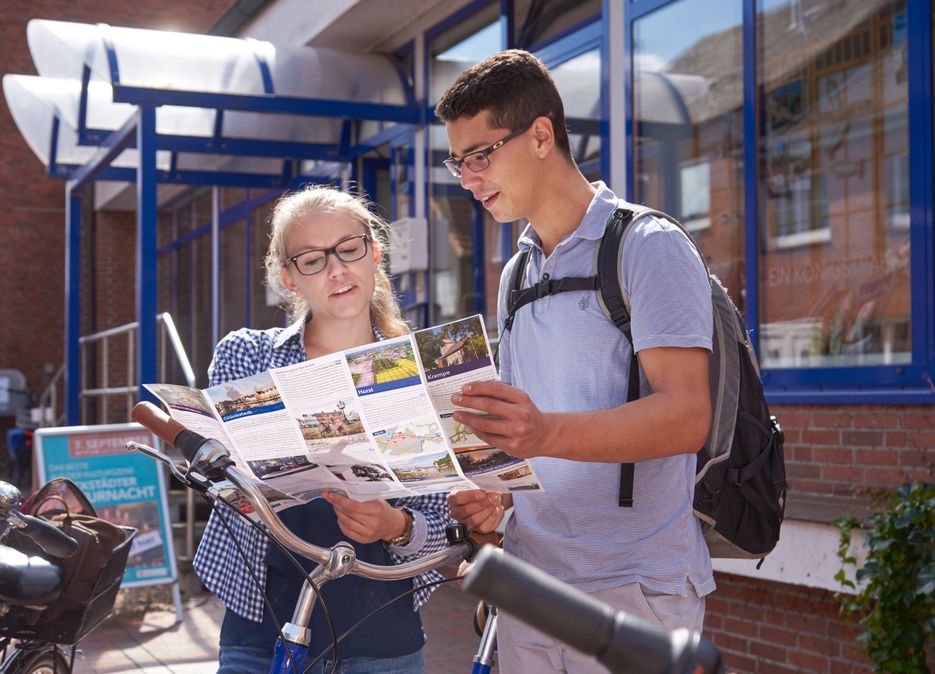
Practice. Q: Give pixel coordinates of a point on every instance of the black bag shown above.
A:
(91, 576)
(740, 478)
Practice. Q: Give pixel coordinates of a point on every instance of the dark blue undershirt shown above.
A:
(395, 631)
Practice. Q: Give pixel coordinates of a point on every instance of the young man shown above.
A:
(564, 369)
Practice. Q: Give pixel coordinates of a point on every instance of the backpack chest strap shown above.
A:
(547, 286)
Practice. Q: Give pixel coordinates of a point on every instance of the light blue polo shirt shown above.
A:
(569, 357)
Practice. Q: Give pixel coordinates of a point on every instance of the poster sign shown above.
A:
(125, 488)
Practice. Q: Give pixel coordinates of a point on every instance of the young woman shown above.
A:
(325, 258)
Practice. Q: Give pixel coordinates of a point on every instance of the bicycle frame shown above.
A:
(209, 461)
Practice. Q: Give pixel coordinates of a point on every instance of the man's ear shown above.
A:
(544, 134)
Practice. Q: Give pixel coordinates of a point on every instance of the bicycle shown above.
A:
(42, 611)
(207, 462)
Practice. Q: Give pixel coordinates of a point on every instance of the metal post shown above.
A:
(72, 306)
(146, 246)
(102, 403)
(215, 265)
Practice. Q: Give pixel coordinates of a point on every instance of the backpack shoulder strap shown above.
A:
(613, 300)
(517, 274)
(616, 305)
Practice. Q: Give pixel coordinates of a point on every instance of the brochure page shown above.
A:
(372, 422)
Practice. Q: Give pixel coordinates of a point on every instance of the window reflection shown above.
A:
(688, 126)
(458, 282)
(835, 183)
(539, 21)
(579, 82)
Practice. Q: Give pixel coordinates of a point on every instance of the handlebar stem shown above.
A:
(340, 562)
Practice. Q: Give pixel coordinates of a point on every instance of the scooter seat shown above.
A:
(28, 581)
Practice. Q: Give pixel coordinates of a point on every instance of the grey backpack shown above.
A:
(740, 478)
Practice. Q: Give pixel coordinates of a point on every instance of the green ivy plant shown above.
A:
(895, 591)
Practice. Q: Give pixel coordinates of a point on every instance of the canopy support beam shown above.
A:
(72, 305)
(146, 186)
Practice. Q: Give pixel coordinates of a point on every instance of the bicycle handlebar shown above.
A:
(190, 444)
(620, 642)
(167, 429)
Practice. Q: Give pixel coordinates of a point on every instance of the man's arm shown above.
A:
(673, 419)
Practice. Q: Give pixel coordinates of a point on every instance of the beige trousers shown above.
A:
(524, 650)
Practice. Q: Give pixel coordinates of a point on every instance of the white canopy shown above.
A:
(166, 63)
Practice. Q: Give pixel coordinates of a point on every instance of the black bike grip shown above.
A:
(50, 538)
(619, 642)
(167, 428)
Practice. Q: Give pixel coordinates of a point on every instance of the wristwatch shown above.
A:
(406, 537)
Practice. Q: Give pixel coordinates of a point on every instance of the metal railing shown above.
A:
(51, 400)
(168, 336)
(97, 350)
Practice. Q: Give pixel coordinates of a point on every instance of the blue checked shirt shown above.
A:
(218, 562)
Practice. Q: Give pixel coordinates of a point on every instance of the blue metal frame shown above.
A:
(922, 241)
(140, 133)
(751, 183)
(72, 305)
(882, 384)
(146, 248)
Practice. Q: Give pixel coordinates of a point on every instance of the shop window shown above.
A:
(834, 266)
(469, 41)
(578, 80)
(458, 238)
(688, 126)
(539, 21)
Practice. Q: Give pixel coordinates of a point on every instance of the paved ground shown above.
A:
(155, 645)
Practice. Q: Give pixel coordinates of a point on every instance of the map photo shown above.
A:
(361, 472)
(453, 348)
(485, 459)
(384, 364)
(334, 433)
(243, 397)
(182, 398)
(459, 435)
(519, 478)
(266, 469)
(419, 436)
(426, 468)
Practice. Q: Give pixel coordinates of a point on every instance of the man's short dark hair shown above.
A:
(515, 87)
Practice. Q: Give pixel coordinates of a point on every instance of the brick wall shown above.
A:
(32, 220)
(771, 628)
(844, 451)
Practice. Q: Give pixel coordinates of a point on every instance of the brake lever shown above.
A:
(179, 469)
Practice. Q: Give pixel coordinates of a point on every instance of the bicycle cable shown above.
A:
(375, 611)
(301, 569)
(256, 582)
(288, 554)
(329, 621)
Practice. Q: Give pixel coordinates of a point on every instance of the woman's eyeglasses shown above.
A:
(314, 261)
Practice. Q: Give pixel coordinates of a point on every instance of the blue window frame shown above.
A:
(770, 115)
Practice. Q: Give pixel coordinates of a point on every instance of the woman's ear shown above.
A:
(377, 249)
(286, 279)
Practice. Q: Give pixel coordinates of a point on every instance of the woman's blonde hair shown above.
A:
(295, 206)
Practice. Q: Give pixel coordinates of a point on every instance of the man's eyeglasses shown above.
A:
(479, 160)
(314, 261)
